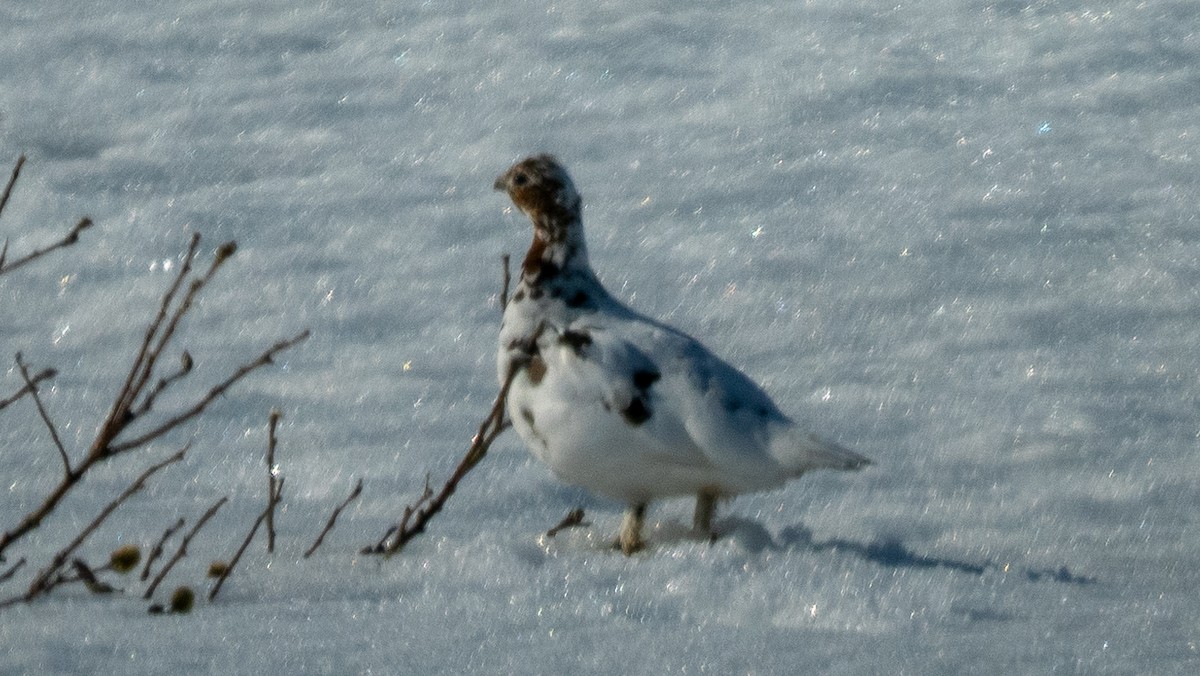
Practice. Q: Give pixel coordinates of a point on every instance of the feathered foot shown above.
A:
(706, 507)
(630, 539)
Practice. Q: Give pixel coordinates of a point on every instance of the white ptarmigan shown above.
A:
(622, 405)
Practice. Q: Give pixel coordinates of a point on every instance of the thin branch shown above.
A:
(151, 356)
(139, 372)
(382, 547)
(489, 429)
(266, 358)
(158, 548)
(333, 518)
(245, 543)
(492, 426)
(273, 482)
(68, 239)
(44, 374)
(182, 551)
(40, 584)
(33, 392)
(121, 414)
(7, 575)
(12, 180)
(85, 574)
(504, 284)
(185, 367)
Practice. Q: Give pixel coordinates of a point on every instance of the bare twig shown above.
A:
(333, 518)
(34, 518)
(382, 547)
(150, 354)
(264, 359)
(33, 392)
(420, 513)
(7, 575)
(492, 426)
(88, 576)
(504, 284)
(426, 495)
(182, 551)
(122, 414)
(12, 180)
(119, 416)
(44, 374)
(68, 239)
(228, 570)
(41, 584)
(158, 548)
(185, 367)
(573, 519)
(272, 480)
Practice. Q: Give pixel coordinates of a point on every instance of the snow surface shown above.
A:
(959, 236)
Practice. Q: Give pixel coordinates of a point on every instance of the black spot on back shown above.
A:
(547, 271)
(643, 379)
(579, 299)
(527, 415)
(577, 340)
(519, 296)
(637, 412)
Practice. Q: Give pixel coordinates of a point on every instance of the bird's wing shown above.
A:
(597, 360)
(687, 406)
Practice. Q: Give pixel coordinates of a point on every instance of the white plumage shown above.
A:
(620, 404)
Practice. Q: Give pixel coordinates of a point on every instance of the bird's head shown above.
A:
(541, 188)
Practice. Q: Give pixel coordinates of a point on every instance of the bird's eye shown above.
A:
(520, 179)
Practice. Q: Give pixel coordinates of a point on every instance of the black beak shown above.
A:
(501, 183)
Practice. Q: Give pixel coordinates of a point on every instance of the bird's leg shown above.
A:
(630, 538)
(706, 506)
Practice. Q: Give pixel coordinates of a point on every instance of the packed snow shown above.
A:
(959, 237)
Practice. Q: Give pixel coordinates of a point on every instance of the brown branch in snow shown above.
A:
(158, 548)
(182, 551)
(429, 505)
(7, 575)
(44, 374)
(273, 482)
(265, 359)
(85, 574)
(504, 283)
(381, 547)
(12, 180)
(42, 583)
(227, 570)
(41, 409)
(333, 518)
(123, 414)
(185, 367)
(68, 239)
(143, 363)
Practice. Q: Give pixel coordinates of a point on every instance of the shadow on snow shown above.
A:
(892, 553)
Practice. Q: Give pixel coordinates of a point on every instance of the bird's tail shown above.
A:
(808, 452)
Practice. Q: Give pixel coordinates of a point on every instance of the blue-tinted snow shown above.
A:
(957, 236)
